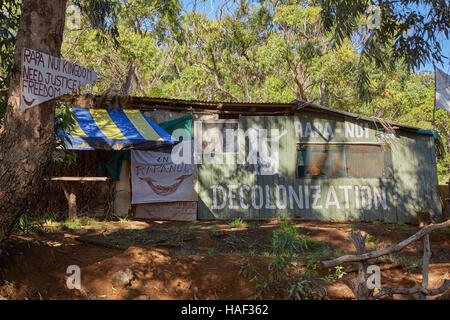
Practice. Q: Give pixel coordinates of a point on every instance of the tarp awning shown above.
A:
(179, 123)
(116, 129)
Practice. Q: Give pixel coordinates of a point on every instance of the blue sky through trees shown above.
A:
(214, 8)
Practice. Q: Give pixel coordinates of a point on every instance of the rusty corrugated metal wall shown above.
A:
(228, 191)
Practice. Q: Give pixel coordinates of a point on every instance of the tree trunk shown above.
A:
(360, 287)
(27, 137)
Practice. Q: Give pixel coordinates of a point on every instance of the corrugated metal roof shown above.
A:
(244, 108)
(362, 117)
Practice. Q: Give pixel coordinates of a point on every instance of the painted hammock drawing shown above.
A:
(165, 190)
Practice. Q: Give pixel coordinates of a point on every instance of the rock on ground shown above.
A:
(123, 277)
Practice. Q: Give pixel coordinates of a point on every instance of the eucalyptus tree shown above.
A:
(27, 136)
(410, 31)
(9, 23)
(149, 34)
(236, 53)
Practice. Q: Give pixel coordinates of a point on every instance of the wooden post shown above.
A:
(68, 184)
(69, 192)
(426, 262)
(108, 208)
(358, 286)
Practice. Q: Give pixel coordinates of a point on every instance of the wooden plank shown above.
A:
(80, 179)
(177, 211)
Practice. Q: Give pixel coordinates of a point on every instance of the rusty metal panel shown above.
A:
(392, 198)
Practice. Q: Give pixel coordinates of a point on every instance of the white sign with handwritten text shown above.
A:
(45, 77)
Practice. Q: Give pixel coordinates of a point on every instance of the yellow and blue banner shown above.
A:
(116, 129)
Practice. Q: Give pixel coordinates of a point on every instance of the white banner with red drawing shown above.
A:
(155, 178)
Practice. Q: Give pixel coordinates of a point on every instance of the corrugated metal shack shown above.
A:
(330, 164)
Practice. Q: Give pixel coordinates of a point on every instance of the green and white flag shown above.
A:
(442, 89)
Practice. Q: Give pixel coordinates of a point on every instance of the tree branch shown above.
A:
(415, 290)
(385, 251)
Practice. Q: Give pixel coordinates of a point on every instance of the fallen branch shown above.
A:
(385, 251)
(98, 243)
(415, 290)
(382, 267)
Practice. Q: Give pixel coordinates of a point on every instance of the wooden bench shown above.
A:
(68, 184)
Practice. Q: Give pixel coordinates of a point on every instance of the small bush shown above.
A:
(23, 224)
(27, 223)
(308, 286)
(71, 224)
(50, 217)
(283, 273)
(286, 240)
(121, 219)
(247, 269)
(238, 223)
(370, 239)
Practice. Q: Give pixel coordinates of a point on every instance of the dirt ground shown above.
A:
(194, 260)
